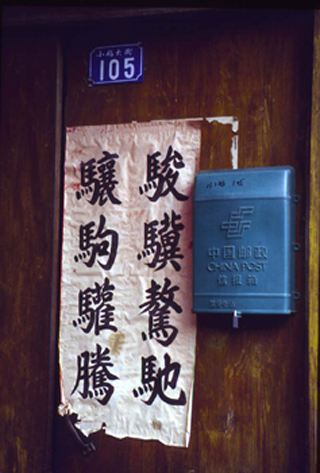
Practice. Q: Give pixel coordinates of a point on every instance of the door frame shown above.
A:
(33, 17)
(313, 257)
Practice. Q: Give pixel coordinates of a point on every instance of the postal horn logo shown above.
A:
(238, 222)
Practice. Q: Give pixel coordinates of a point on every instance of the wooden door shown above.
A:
(250, 404)
(250, 409)
(28, 301)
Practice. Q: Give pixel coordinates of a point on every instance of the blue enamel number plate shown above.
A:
(116, 64)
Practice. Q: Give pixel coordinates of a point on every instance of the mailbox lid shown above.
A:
(244, 223)
(255, 183)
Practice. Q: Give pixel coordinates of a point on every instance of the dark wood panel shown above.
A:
(314, 259)
(250, 400)
(27, 232)
(17, 16)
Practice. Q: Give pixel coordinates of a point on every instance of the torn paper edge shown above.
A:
(234, 151)
(189, 416)
(233, 121)
(224, 120)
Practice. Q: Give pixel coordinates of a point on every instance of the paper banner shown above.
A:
(127, 332)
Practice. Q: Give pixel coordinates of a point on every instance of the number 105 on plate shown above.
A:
(116, 64)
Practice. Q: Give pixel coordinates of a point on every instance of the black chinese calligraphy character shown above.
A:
(98, 180)
(105, 249)
(162, 243)
(162, 176)
(94, 375)
(95, 310)
(158, 301)
(158, 381)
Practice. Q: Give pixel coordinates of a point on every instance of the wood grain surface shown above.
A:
(313, 257)
(27, 241)
(250, 397)
(251, 409)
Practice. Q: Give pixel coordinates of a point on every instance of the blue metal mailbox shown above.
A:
(244, 228)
